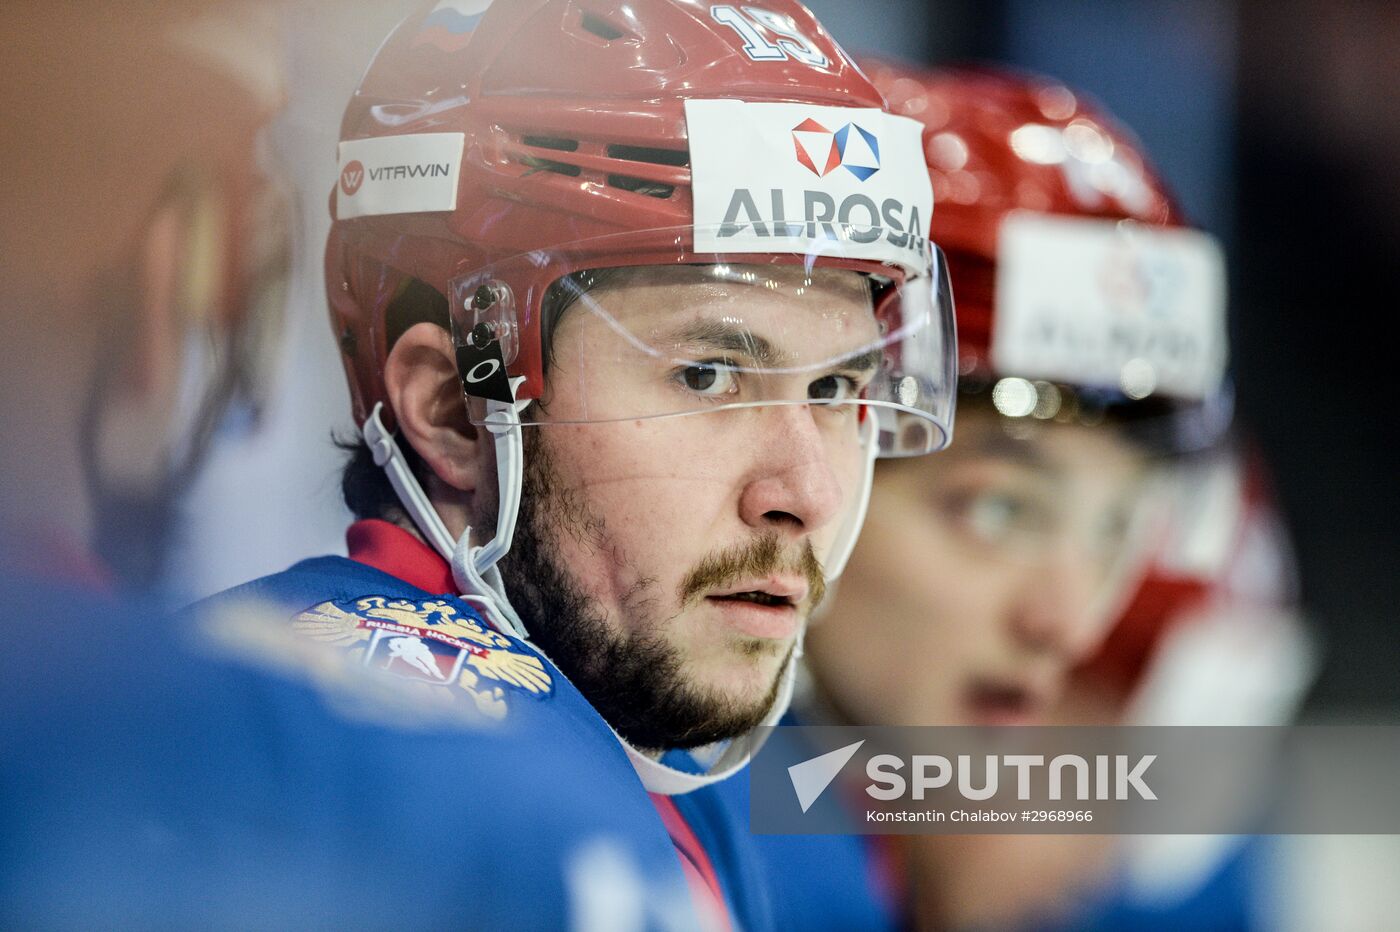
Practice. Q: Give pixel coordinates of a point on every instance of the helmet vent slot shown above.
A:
(601, 27)
(551, 142)
(676, 157)
(537, 164)
(641, 185)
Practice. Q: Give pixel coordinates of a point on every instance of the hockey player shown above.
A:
(228, 772)
(154, 776)
(630, 297)
(1091, 342)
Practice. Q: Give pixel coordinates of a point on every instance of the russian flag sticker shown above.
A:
(449, 25)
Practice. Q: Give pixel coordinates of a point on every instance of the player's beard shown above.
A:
(633, 678)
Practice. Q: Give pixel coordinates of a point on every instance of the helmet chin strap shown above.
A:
(473, 568)
(388, 457)
(479, 579)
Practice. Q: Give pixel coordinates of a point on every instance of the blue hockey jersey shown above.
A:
(220, 770)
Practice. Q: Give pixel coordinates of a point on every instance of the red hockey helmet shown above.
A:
(512, 155)
(1072, 261)
(1226, 558)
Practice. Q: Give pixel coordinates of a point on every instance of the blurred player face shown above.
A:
(982, 575)
(668, 564)
(141, 238)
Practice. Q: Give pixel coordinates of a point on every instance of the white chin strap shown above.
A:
(479, 580)
(473, 568)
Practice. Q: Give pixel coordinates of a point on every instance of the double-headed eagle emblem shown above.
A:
(432, 641)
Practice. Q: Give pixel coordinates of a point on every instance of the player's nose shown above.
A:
(793, 486)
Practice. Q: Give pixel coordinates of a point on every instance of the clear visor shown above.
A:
(678, 333)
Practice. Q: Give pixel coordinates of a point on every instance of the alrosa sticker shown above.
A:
(1115, 305)
(776, 177)
(413, 173)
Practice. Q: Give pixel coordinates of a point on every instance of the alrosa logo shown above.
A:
(823, 151)
(351, 177)
(856, 218)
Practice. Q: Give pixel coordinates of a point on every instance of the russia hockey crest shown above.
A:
(433, 642)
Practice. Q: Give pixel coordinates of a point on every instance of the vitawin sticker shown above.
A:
(413, 173)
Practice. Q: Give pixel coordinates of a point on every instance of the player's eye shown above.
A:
(1000, 516)
(710, 378)
(833, 388)
(1113, 529)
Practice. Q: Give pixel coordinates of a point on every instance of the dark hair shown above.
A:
(364, 486)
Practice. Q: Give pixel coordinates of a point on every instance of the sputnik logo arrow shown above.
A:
(811, 777)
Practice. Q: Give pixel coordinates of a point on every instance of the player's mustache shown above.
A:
(762, 556)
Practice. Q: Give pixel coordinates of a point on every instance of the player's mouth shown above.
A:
(994, 701)
(762, 608)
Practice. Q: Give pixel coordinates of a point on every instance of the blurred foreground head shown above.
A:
(1091, 343)
(144, 253)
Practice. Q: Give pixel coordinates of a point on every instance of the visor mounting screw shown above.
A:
(484, 298)
(481, 334)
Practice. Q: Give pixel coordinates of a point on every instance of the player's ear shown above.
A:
(426, 395)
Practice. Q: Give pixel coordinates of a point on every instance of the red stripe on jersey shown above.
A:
(699, 872)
